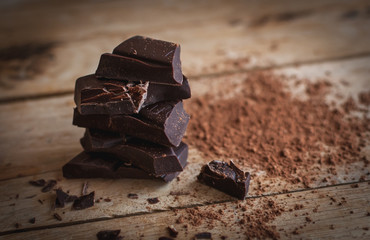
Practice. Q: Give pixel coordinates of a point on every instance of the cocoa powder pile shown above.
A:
(264, 127)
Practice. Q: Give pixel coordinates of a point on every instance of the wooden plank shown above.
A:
(339, 212)
(215, 37)
(41, 131)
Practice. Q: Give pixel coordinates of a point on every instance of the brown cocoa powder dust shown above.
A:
(263, 126)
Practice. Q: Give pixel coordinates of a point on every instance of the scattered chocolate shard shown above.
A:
(40, 201)
(57, 217)
(84, 201)
(225, 177)
(172, 231)
(203, 235)
(32, 220)
(38, 183)
(63, 198)
(49, 186)
(84, 188)
(109, 235)
(132, 196)
(153, 200)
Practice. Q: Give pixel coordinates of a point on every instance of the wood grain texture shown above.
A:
(339, 212)
(215, 36)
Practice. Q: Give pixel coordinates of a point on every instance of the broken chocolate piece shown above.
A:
(84, 201)
(94, 96)
(38, 183)
(163, 123)
(152, 158)
(153, 200)
(203, 235)
(95, 165)
(109, 235)
(57, 217)
(63, 198)
(132, 196)
(225, 177)
(172, 231)
(49, 186)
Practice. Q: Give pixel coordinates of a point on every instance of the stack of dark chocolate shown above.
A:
(133, 114)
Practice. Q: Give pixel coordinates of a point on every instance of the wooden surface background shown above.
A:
(46, 45)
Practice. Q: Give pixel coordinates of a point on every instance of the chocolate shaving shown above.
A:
(84, 202)
(132, 196)
(109, 235)
(153, 200)
(57, 217)
(38, 183)
(49, 186)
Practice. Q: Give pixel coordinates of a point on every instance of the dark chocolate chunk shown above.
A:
(172, 231)
(57, 217)
(152, 50)
(49, 186)
(38, 183)
(109, 235)
(32, 220)
(84, 201)
(163, 123)
(225, 177)
(94, 96)
(112, 66)
(132, 196)
(95, 165)
(203, 235)
(63, 198)
(153, 200)
(152, 158)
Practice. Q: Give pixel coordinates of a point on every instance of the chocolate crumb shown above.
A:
(331, 226)
(32, 196)
(153, 200)
(32, 220)
(354, 185)
(40, 201)
(308, 219)
(132, 196)
(17, 196)
(172, 231)
(49, 186)
(84, 202)
(203, 235)
(38, 183)
(107, 200)
(109, 235)
(17, 225)
(179, 193)
(57, 217)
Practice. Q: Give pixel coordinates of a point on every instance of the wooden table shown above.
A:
(46, 45)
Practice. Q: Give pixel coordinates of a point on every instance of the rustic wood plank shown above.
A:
(340, 212)
(41, 131)
(215, 37)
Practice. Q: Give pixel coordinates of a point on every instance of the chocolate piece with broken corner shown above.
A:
(94, 96)
(112, 66)
(97, 165)
(63, 198)
(84, 201)
(163, 123)
(225, 177)
(152, 158)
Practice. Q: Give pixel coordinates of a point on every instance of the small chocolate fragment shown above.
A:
(32, 220)
(178, 193)
(84, 188)
(63, 198)
(94, 96)
(57, 217)
(109, 235)
(172, 231)
(163, 123)
(152, 158)
(38, 183)
(49, 186)
(17, 225)
(84, 201)
(132, 196)
(226, 178)
(95, 165)
(203, 235)
(153, 200)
